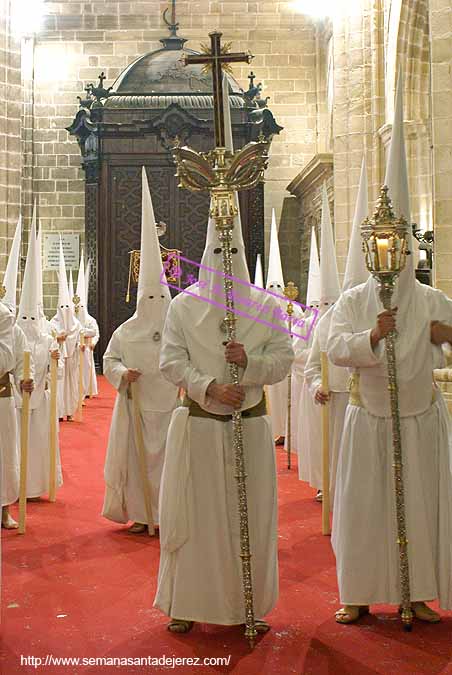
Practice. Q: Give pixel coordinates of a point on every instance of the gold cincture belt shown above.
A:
(195, 410)
(5, 386)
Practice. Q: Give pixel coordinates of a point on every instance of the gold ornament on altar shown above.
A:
(385, 244)
(2, 292)
(170, 262)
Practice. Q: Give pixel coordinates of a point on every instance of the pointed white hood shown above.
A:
(87, 280)
(356, 271)
(413, 348)
(64, 321)
(153, 297)
(81, 291)
(71, 287)
(258, 274)
(42, 316)
(28, 316)
(12, 268)
(313, 290)
(396, 179)
(275, 278)
(330, 289)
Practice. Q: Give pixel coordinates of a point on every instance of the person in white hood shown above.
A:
(200, 574)
(66, 328)
(90, 332)
(364, 534)
(355, 273)
(11, 386)
(133, 356)
(43, 348)
(278, 393)
(308, 415)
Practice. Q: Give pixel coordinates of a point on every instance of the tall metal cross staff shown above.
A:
(217, 59)
(224, 209)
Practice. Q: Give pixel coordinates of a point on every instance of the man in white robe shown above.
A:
(277, 393)
(199, 528)
(6, 363)
(132, 356)
(90, 333)
(11, 386)
(66, 328)
(338, 378)
(43, 348)
(309, 419)
(364, 535)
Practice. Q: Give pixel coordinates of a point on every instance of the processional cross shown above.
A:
(217, 58)
(223, 172)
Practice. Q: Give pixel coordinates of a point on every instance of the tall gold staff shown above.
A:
(291, 292)
(223, 173)
(24, 434)
(385, 246)
(326, 528)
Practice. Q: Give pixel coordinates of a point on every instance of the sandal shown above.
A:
(180, 626)
(137, 528)
(351, 613)
(423, 612)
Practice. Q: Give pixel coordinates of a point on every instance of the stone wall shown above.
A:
(441, 44)
(10, 144)
(80, 39)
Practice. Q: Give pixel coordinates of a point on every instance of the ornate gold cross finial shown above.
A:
(217, 58)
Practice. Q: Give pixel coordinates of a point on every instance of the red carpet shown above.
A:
(76, 585)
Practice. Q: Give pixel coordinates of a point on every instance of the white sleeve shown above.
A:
(313, 368)
(349, 349)
(95, 327)
(114, 369)
(175, 361)
(273, 365)
(6, 341)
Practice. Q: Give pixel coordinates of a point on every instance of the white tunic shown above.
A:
(364, 525)
(278, 394)
(124, 498)
(68, 385)
(38, 472)
(200, 575)
(9, 431)
(90, 329)
(338, 386)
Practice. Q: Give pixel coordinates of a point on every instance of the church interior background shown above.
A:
(328, 81)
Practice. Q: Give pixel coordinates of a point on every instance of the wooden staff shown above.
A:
(53, 427)
(24, 431)
(81, 390)
(139, 442)
(326, 529)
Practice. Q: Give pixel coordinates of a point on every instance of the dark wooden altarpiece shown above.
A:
(134, 124)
